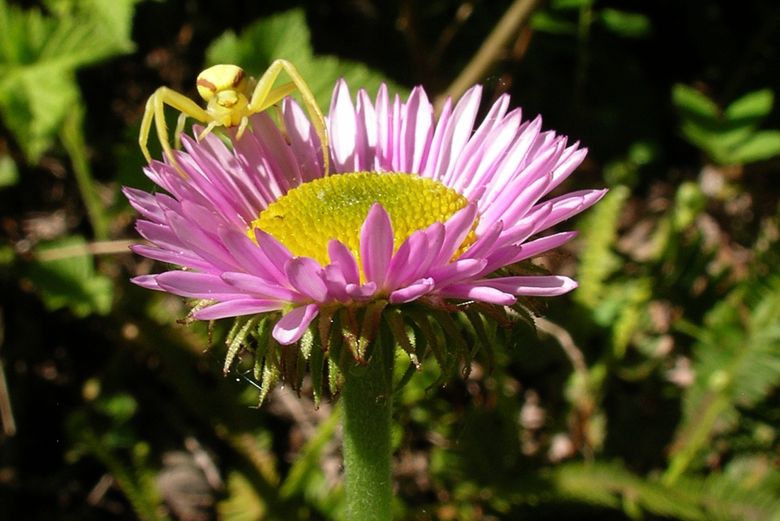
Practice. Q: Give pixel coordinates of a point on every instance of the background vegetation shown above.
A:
(649, 393)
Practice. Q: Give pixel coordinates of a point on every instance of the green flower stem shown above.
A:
(72, 136)
(367, 402)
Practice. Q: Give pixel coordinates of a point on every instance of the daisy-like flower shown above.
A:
(416, 209)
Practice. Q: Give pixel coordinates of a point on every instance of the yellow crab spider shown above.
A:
(231, 97)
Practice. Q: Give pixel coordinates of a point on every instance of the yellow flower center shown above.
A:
(334, 207)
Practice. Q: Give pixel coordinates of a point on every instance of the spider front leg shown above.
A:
(155, 112)
(263, 97)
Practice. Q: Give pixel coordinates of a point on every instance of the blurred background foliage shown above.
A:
(649, 393)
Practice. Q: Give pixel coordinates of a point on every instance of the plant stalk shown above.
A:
(367, 403)
(72, 136)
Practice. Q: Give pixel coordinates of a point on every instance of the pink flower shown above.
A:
(247, 251)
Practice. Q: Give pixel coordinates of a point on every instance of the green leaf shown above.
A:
(39, 56)
(286, 36)
(570, 4)
(598, 235)
(693, 103)
(761, 145)
(624, 23)
(752, 107)
(69, 278)
(552, 23)
(737, 365)
(9, 173)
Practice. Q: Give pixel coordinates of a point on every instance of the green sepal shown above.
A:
(324, 326)
(270, 377)
(316, 368)
(262, 336)
(335, 377)
(476, 320)
(408, 373)
(306, 343)
(372, 318)
(404, 337)
(236, 339)
(350, 331)
(290, 372)
(422, 320)
(457, 347)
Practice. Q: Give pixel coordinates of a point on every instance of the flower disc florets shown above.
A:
(309, 216)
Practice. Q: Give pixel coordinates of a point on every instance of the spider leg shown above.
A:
(179, 130)
(263, 93)
(155, 112)
(207, 130)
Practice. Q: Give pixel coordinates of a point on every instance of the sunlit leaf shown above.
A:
(624, 23)
(693, 103)
(9, 174)
(553, 23)
(762, 145)
(69, 278)
(39, 55)
(286, 36)
(752, 107)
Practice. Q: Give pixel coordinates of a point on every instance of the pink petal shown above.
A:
(251, 257)
(342, 126)
(480, 293)
(411, 292)
(361, 291)
(147, 281)
(568, 205)
(196, 285)
(237, 308)
(306, 275)
(434, 150)
(384, 136)
(376, 244)
(400, 271)
(457, 271)
(291, 327)
(456, 229)
(180, 258)
(534, 286)
(516, 253)
(458, 131)
(366, 132)
(341, 256)
(336, 282)
(304, 141)
(416, 130)
(259, 287)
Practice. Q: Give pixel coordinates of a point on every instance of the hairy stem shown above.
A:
(367, 402)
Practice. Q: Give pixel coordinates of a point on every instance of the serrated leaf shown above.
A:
(737, 364)
(598, 233)
(71, 282)
(38, 59)
(242, 502)
(286, 36)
